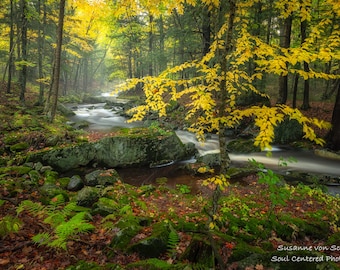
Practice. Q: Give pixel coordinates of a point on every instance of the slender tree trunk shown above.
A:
(305, 104)
(151, 45)
(11, 48)
(23, 72)
(206, 30)
(163, 60)
(295, 89)
(284, 43)
(333, 136)
(57, 62)
(225, 160)
(41, 45)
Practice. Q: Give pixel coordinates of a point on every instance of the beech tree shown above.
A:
(221, 75)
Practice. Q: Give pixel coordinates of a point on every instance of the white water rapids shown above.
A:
(104, 120)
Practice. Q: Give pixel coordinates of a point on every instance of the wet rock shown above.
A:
(243, 146)
(75, 184)
(101, 177)
(211, 160)
(139, 147)
(87, 196)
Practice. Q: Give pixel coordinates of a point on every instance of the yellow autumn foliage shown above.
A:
(202, 91)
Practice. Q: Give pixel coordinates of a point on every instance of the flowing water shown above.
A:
(101, 119)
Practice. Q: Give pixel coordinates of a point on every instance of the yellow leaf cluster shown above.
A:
(219, 180)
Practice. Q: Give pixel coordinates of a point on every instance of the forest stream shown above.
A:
(102, 119)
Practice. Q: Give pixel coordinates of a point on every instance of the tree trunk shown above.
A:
(23, 72)
(333, 137)
(295, 89)
(225, 160)
(11, 48)
(206, 30)
(41, 45)
(150, 46)
(57, 62)
(163, 60)
(305, 104)
(284, 43)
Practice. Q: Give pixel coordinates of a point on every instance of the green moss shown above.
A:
(21, 146)
(243, 146)
(15, 170)
(242, 250)
(51, 177)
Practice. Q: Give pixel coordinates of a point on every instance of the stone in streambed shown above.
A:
(75, 184)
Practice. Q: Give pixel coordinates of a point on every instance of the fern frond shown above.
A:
(9, 224)
(41, 239)
(173, 240)
(55, 219)
(77, 224)
(125, 209)
(34, 208)
(59, 243)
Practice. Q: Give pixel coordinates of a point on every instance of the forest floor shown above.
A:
(17, 251)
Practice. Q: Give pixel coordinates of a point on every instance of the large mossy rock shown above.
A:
(64, 159)
(155, 245)
(138, 147)
(87, 196)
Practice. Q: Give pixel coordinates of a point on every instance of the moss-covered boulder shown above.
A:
(101, 177)
(75, 183)
(105, 206)
(48, 191)
(87, 196)
(127, 228)
(154, 245)
(136, 147)
(199, 252)
(65, 158)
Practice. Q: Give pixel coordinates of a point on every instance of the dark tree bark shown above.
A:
(41, 46)
(11, 48)
(305, 104)
(23, 72)
(151, 37)
(163, 59)
(295, 89)
(286, 31)
(57, 64)
(333, 137)
(206, 30)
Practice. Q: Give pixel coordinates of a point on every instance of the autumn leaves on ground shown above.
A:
(248, 231)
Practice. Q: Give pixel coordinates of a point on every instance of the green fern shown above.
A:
(173, 240)
(9, 224)
(41, 238)
(66, 221)
(36, 209)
